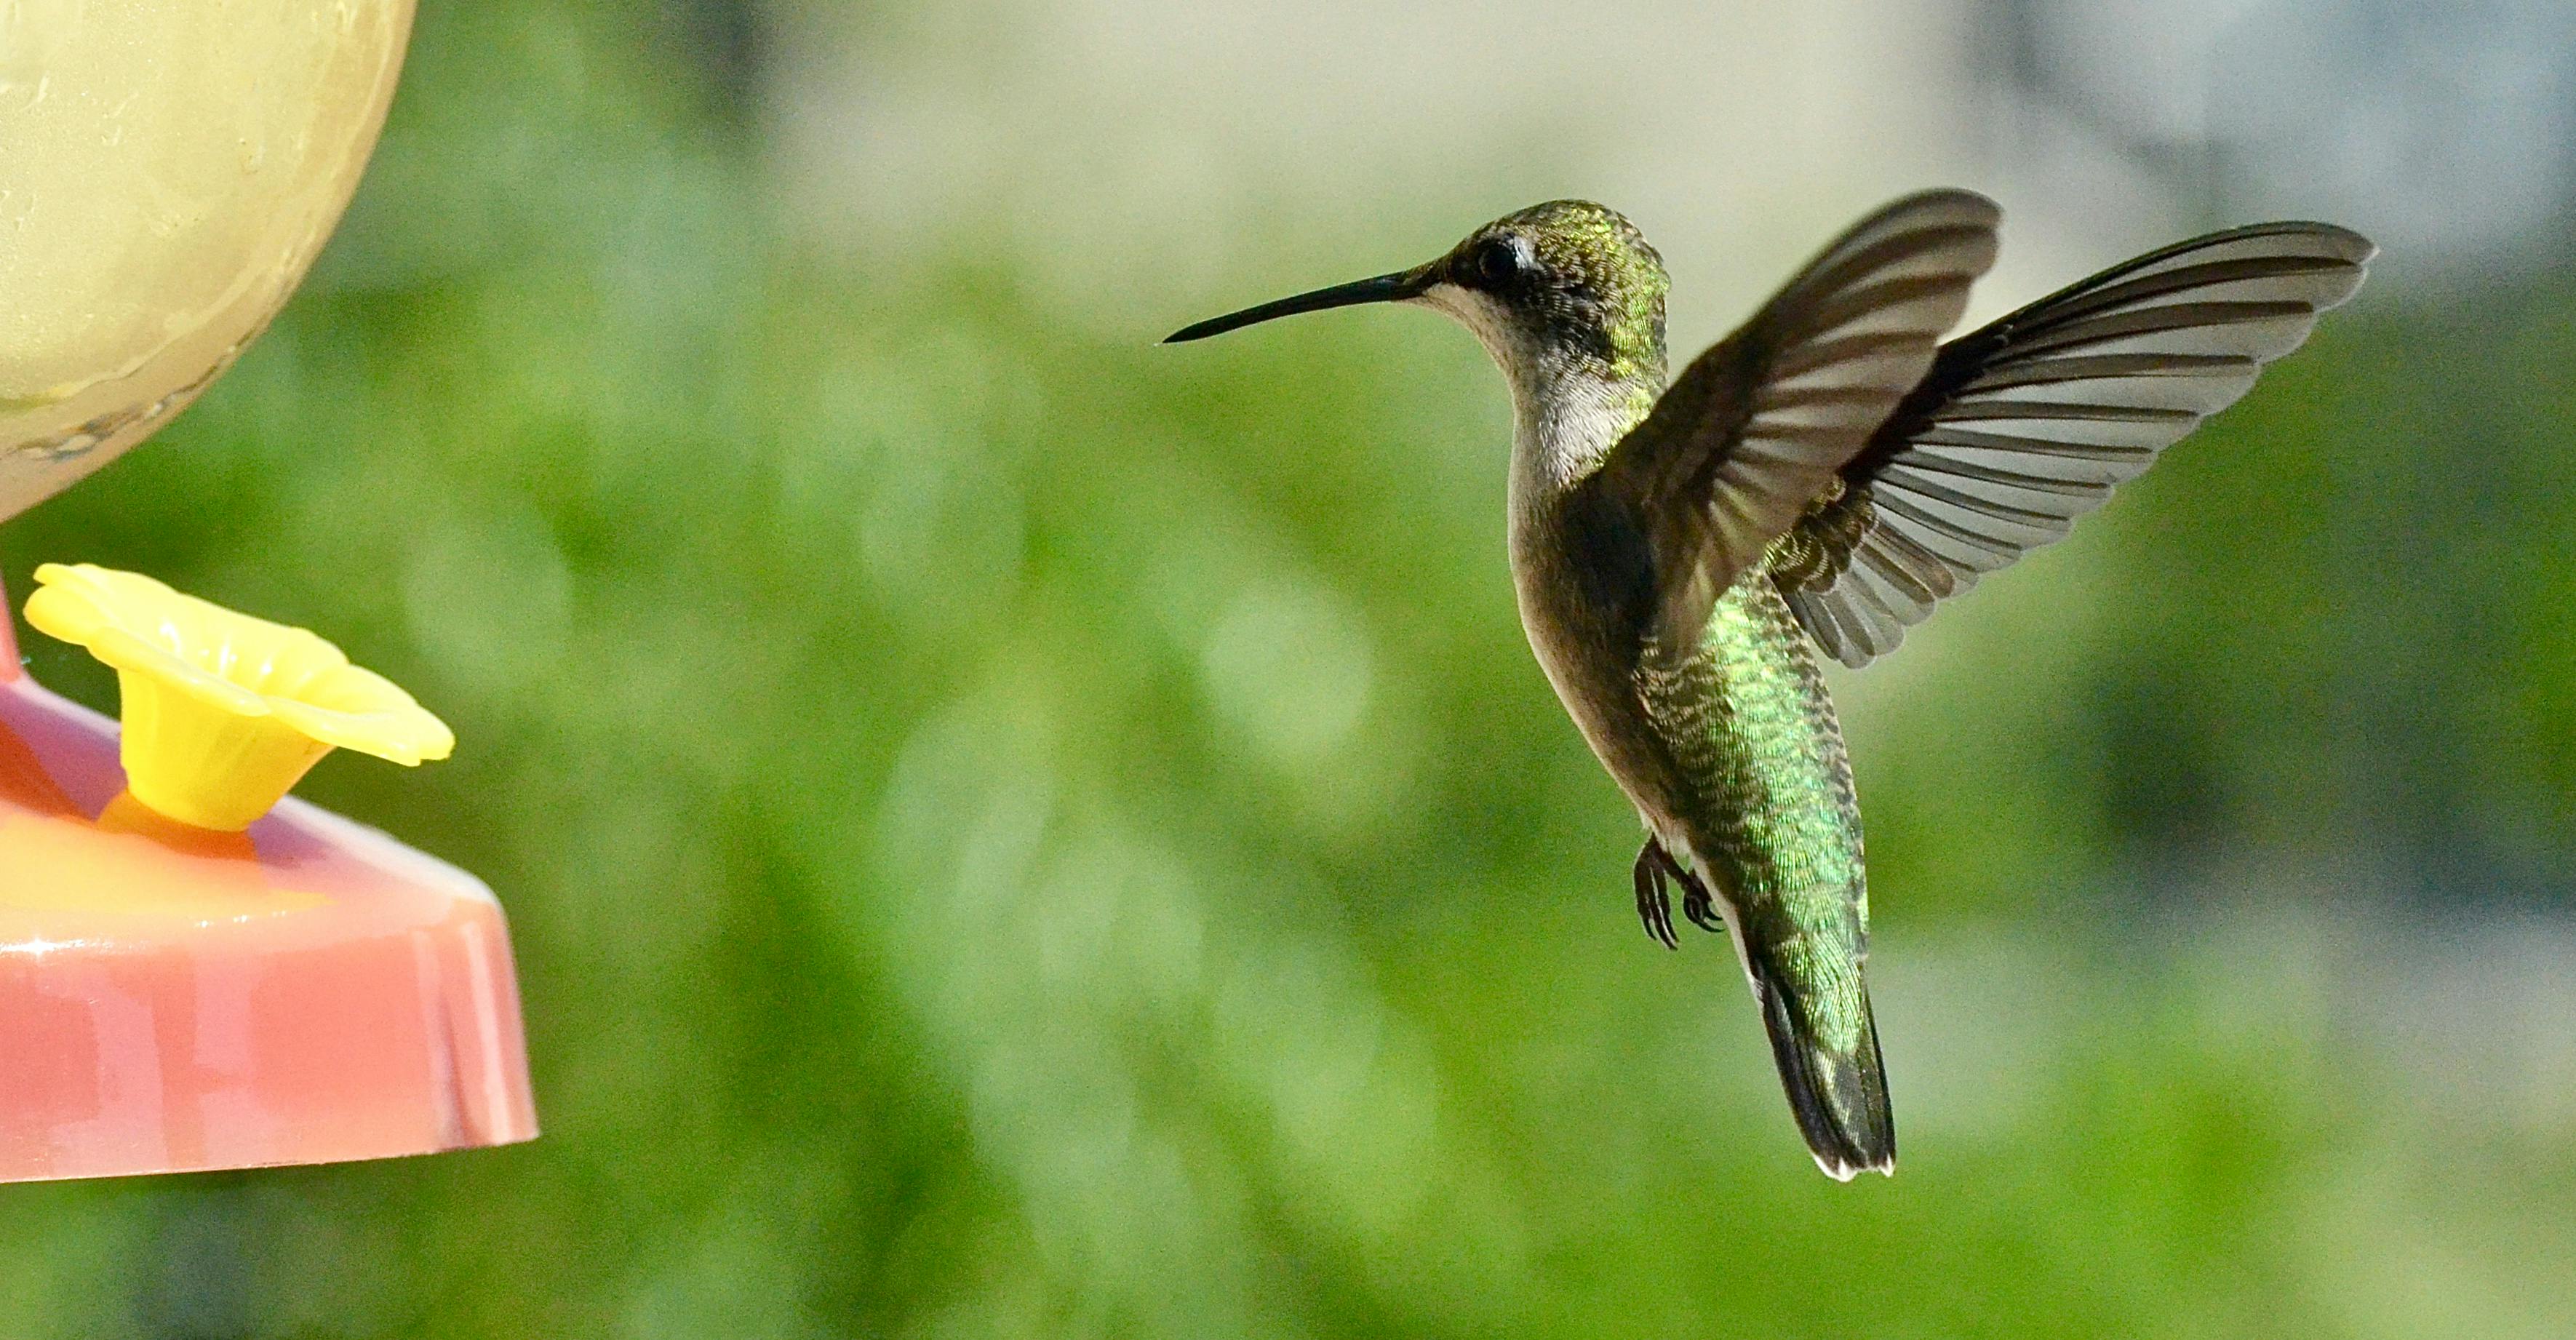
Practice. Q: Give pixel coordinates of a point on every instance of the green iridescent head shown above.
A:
(1568, 279)
(1567, 286)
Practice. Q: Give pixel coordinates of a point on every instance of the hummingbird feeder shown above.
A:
(197, 971)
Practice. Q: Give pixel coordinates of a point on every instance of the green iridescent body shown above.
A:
(1768, 802)
(1733, 756)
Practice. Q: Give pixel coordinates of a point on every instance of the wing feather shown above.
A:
(2032, 421)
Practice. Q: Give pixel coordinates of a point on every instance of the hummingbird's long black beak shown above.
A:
(1395, 287)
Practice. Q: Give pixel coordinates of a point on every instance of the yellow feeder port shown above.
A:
(224, 712)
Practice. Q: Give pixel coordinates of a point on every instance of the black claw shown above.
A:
(1701, 910)
(1654, 901)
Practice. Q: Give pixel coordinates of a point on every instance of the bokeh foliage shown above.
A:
(1012, 831)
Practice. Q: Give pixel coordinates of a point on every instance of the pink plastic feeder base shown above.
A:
(175, 1000)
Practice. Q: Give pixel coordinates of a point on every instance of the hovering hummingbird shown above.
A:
(1818, 480)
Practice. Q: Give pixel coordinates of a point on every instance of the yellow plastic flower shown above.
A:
(224, 712)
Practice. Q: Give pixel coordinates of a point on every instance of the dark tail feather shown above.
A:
(1839, 1097)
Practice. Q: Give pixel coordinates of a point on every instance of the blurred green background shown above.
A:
(1012, 831)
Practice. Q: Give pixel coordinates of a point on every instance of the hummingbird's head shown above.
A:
(1563, 286)
(1567, 287)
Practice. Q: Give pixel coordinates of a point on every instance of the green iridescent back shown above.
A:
(1765, 791)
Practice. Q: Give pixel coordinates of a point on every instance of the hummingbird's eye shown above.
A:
(1500, 262)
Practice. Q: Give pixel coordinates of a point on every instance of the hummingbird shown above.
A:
(1683, 548)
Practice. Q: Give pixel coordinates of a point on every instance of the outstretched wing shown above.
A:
(1752, 433)
(2030, 422)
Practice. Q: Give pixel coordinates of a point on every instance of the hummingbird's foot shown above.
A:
(1696, 903)
(1654, 901)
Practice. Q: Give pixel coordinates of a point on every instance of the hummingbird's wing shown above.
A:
(1755, 429)
(2030, 422)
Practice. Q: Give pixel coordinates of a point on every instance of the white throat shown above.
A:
(1564, 418)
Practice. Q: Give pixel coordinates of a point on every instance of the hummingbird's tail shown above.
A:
(1830, 1066)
